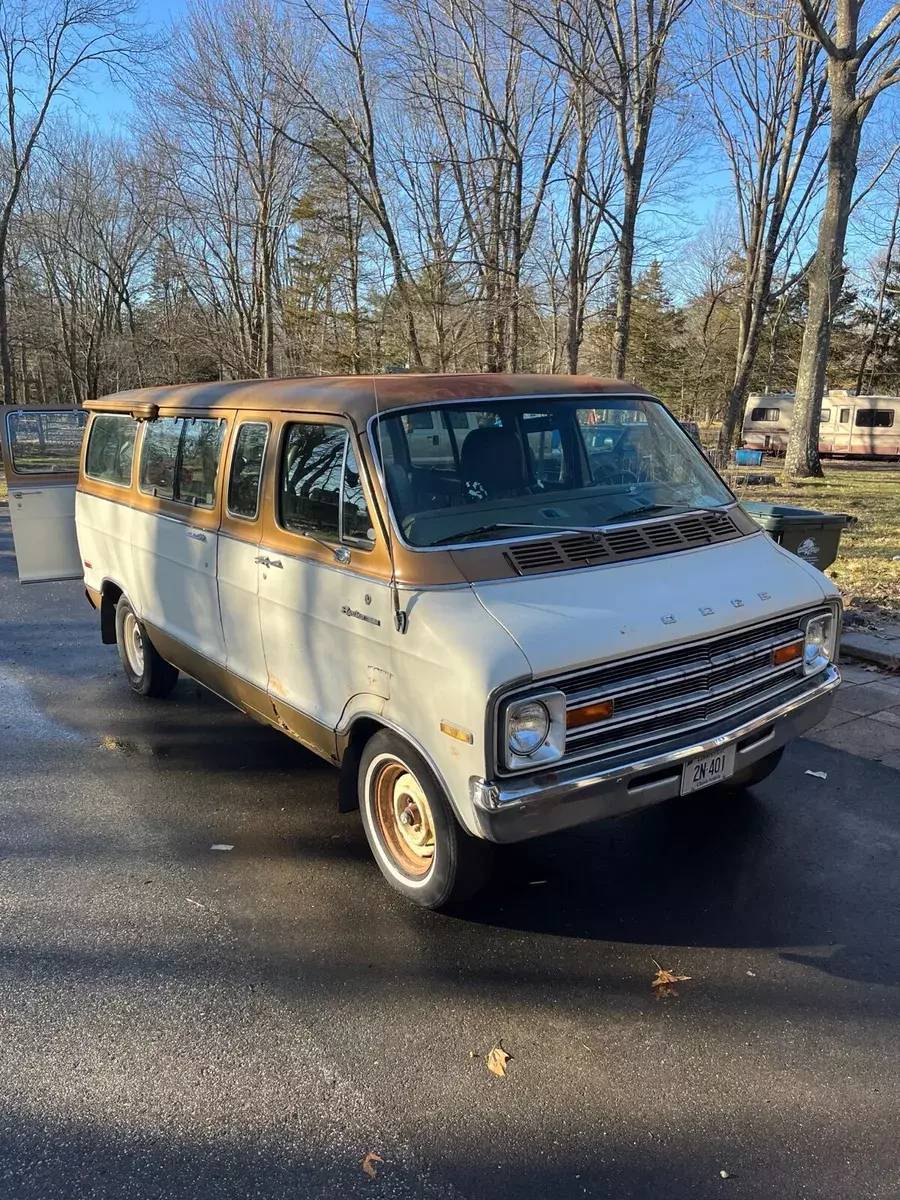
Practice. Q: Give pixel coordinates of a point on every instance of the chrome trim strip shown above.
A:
(626, 687)
(690, 700)
(566, 786)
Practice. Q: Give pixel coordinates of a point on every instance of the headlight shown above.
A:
(533, 730)
(527, 726)
(818, 643)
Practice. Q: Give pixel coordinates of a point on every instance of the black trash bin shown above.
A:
(811, 535)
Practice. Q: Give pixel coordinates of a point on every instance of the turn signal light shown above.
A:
(792, 652)
(589, 713)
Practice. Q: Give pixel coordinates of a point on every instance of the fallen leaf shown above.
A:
(368, 1164)
(725, 1174)
(818, 774)
(222, 846)
(664, 981)
(497, 1060)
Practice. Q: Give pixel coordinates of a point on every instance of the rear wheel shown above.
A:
(147, 673)
(419, 845)
(760, 770)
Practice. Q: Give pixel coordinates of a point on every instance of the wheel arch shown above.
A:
(110, 595)
(353, 739)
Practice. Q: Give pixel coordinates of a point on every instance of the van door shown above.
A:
(41, 453)
(239, 552)
(324, 597)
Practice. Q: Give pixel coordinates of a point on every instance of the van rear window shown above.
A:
(45, 443)
(110, 449)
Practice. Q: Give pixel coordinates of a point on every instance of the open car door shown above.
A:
(41, 452)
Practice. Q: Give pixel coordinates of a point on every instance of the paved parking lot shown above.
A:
(183, 1022)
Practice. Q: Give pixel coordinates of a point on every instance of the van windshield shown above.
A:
(462, 473)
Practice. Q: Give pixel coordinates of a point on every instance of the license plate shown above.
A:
(706, 770)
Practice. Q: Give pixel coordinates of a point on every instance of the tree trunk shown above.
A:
(5, 359)
(575, 286)
(826, 276)
(626, 276)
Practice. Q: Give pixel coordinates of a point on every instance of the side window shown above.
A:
(159, 452)
(45, 443)
(874, 418)
(765, 414)
(310, 487)
(824, 415)
(355, 523)
(198, 462)
(844, 416)
(111, 449)
(246, 469)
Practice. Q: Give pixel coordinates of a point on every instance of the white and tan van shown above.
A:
(554, 613)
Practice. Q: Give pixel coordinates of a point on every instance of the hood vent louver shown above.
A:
(617, 545)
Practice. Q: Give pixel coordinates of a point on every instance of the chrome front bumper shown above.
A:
(527, 806)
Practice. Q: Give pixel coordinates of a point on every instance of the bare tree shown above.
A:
(764, 87)
(503, 122)
(859, 70)
(886, 268)
(620, 50)
(225, 134)
(46, 48)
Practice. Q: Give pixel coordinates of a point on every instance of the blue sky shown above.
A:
(108, 105)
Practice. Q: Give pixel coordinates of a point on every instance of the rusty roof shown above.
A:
(355, 395)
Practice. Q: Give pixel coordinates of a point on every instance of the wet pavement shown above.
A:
(183, 1022)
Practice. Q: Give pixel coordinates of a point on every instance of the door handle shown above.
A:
(198, 537)
(274, 562)
(262, 560)
(435, 439)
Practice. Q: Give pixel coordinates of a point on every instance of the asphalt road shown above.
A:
(187, 1023)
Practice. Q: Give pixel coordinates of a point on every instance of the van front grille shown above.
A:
(616, 545)
(657, 697)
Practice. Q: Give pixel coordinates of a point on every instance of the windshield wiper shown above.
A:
(643, 511)
(479, 529)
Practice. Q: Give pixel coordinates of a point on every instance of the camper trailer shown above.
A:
(850, 426)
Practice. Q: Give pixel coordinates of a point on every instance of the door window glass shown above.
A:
(844, 416)
(159, 453)
(198, 461)
(45, 443)
(310, 488)
(356, 525)
(246, 469)
(824, 416)
(111, 449)
(874, 418)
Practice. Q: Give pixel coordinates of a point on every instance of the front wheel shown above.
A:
(421, 848)
(147, 673)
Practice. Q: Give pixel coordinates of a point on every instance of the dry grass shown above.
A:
(864, 570)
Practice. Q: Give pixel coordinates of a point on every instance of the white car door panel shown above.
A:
(238, 574)
(327, 635)
(175, 581)
(41, 448)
